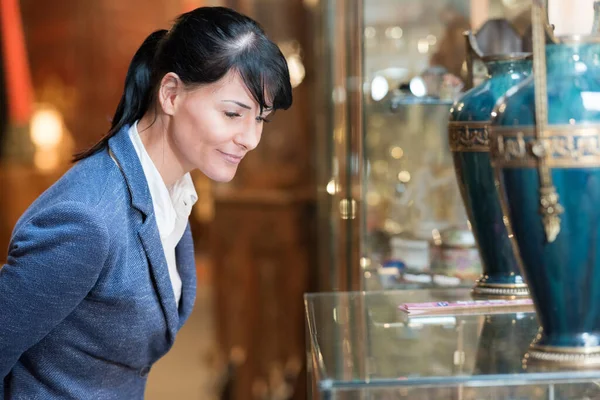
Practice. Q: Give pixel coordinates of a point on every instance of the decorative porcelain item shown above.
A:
(412, 252)
(545, 141)
(469, 143)
(457, 255)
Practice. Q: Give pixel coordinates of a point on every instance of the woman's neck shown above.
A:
(154, 133)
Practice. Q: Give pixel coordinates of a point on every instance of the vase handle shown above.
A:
(549, 207)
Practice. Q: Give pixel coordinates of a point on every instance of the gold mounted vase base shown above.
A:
(500, 291)
(551, 358)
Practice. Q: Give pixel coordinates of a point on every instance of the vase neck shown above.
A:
(500, 67)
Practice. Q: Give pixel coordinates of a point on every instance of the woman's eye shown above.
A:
(232, 114)
(262, 119)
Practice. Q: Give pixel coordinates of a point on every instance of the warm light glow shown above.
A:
(297, 70)
(423, 46)
(365, 262)
(291, 49)
(311, 3)
(437, 237)
(394, 32)
(379, 88)
(417, 87)
(397, 152)
(46, 128)
(404, 176)
(332, 187)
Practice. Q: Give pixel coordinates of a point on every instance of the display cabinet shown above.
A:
(362, 346)
(388, 192)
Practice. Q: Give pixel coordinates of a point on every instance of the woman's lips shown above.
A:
(231, 158)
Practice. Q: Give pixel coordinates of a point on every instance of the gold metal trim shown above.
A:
(584, 129)
(348, 209)
(469, 136)
(544, 361)
(499, 290)
(550, 209)
(566, 350)
(481, 292)
(558, 356)
(502, 285)
(560, 146)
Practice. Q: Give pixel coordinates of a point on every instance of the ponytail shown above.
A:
(137, 94)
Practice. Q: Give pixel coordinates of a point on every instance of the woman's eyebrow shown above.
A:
(239, 104)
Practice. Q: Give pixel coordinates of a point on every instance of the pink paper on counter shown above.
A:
(475, 305)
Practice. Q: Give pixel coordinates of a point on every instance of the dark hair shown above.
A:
(201, 47)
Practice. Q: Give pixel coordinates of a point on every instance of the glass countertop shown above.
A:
(362, 341)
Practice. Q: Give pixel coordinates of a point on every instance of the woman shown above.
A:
(100, 273)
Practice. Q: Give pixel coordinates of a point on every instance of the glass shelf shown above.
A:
(361, 344)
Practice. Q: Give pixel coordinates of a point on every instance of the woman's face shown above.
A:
(214, 126)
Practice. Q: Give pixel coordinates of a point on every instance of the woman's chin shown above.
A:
(222, 176)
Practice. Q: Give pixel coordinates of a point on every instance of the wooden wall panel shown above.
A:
(262, 252)
(82, 49)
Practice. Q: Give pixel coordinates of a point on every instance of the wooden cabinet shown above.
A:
(262, 251)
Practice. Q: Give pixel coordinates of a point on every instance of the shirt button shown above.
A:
(144, 371)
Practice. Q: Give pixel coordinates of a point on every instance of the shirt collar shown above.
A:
(168, 204)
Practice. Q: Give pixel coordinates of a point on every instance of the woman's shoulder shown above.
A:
(90, 180)
(94, 183)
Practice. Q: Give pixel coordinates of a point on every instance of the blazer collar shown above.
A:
(129, 162)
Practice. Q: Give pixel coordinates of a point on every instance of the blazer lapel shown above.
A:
(122, 151)
(150, 239)
(186, 265)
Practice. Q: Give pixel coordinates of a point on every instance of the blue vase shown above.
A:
(563, 270)
(469, 143)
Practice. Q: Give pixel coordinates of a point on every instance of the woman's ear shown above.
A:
(170, 88)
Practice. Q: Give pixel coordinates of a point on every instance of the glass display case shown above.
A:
(362, 346)
(391, 215)
(394, 219)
